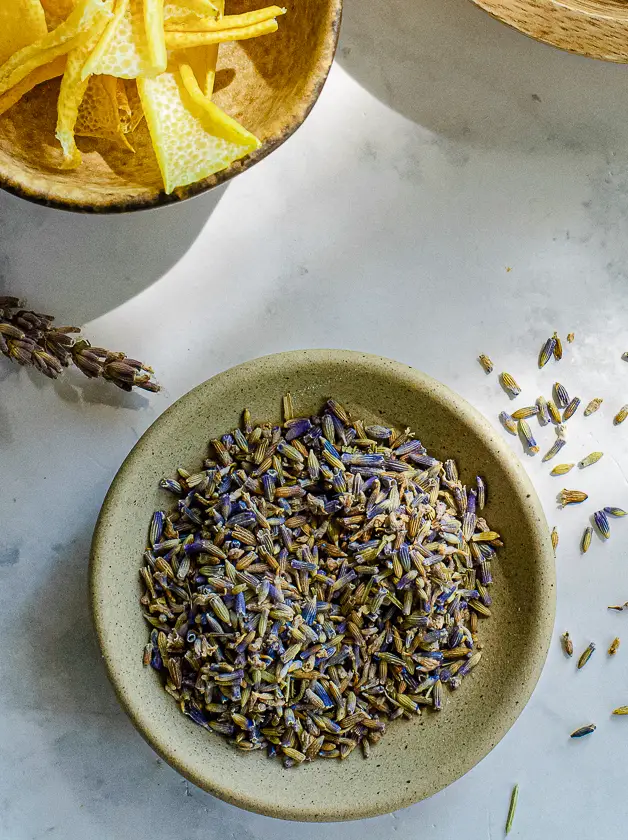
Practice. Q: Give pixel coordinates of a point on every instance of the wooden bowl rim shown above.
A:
(161, 199)
(577, 30)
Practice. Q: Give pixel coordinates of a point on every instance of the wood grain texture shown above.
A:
(593, 28)
(269, 84)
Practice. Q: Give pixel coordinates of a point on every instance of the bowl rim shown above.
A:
(408, 377)
(162, 199)
(598, 34)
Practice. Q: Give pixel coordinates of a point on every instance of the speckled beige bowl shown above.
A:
(415, 759)
(269, 84)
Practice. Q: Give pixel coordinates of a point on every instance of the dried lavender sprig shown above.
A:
(30, 339)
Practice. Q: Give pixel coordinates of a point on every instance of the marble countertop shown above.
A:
(458, 189)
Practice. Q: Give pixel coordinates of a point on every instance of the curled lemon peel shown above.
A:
(92, 65)
(102, 113)
(201, 8)
(124, 50)
(155, 35)
(73, 87)
(186, 151)
(219, 24)
(135, 104)
(214, 119)
(66, 37)
(125, 115)
(185, 40)
(207, 77)
(125, 60)
(22, 22)
(34, 78)
(57, 11)
(204, 59)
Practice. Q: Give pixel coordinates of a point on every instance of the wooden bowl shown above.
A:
(593, 28)
(415, 758)
(270, 84)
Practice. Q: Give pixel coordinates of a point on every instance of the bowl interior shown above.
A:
(594, 28)
(269, 84)
(415, 758)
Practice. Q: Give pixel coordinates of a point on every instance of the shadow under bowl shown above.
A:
(415, 758)
(269, 84)
(593, 28)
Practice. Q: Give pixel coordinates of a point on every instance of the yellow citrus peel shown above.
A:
(126, 50)
(131, 114)
(57, 11)
(22, 22)
(219, 24)
(203, 7)
(206, 75)
(36, 77)
(73, 87)
(185, 40)
(214, 119)
(66, 37)
(116, 70)
(189, 10)
(181, 127)
(205, 58)
(104, 112)
(155, 35)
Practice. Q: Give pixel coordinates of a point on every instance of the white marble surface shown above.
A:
(445, 150)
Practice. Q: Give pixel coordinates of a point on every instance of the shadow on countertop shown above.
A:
(59, 678)
(78, 267)
(452, 69)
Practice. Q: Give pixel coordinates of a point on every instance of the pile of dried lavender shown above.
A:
(31, 339)
(314, 582)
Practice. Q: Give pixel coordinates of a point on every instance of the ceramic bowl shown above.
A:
(594, 28)
(269, 84)
(415, 758)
